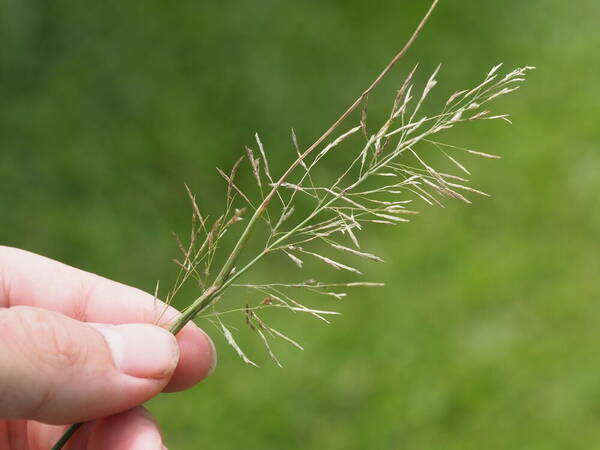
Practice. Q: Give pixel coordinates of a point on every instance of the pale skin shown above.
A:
(76, 347)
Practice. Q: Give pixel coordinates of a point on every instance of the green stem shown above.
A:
(220, 282)
(224, 278)
(66, 436)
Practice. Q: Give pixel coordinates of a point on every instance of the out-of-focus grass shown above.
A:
(485, 336)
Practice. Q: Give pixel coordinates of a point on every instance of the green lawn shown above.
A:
(486, 334)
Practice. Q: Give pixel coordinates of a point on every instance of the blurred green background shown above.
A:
(486, 335)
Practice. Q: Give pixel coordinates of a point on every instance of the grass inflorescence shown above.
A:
(386, 175)
(385, 178)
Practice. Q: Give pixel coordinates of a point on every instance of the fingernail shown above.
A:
(148, 442)
(141, 350)
(213, 349)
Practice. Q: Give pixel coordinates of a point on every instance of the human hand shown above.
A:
(76, 347)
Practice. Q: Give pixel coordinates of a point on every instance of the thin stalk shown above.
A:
(211, 293)
(224, 277)
(66, 436)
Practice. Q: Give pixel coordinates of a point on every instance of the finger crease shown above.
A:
(5, 287)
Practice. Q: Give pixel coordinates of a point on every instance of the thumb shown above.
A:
(58, 370)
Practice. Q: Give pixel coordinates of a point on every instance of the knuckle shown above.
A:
(45, 337)
(41, 350)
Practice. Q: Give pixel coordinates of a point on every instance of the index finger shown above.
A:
(34, 280)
